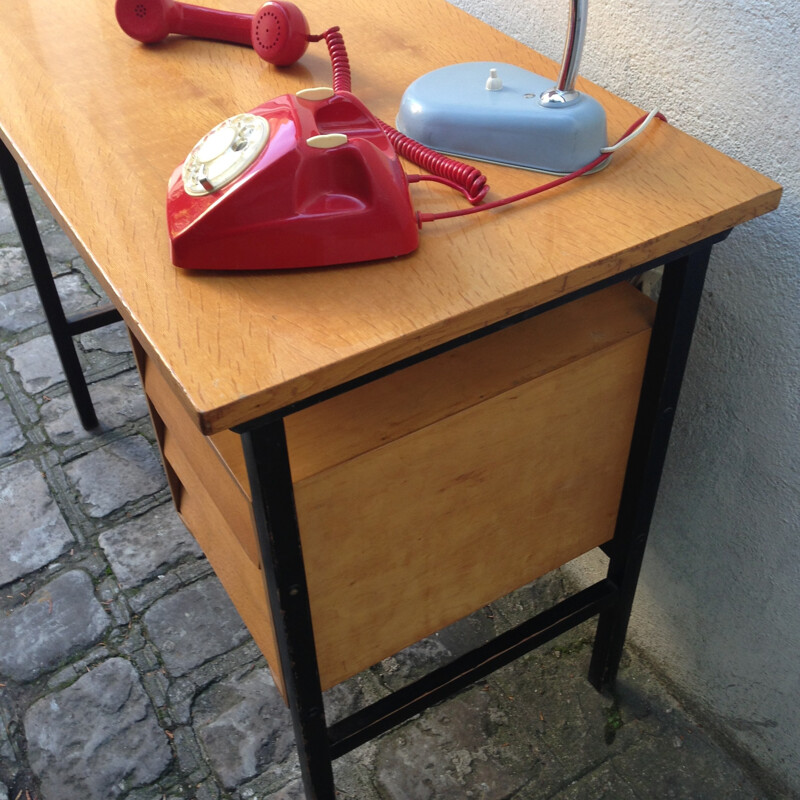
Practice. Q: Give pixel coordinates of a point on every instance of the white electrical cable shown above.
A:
(645, 122)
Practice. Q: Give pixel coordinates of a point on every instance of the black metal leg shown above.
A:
(669, 349)
(45, 285)
(284, 572)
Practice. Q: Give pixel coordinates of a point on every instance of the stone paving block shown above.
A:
(117, 400)
(207, 790)
(453, 751)
(152, 793)
(96, 739)
(194, 625)
(413, 662)
(157, 685)
(6, 748)
(110, 339)
(148, 545)
(243, 725)
(217, 669)
(152, 591)
(6, 220)
(551, 704)
(192, 571)
(56, 622)
(523, 603)
(116, 474)
(294, 791)
(11, 436)
(602, 783)
(181, 697)
(685, 766)
(58, 245)
(32, 530)
(352, 775)
(190, 758)
(67, 675)
(37, 364)
(22, 309)
(13, 263)
(346, 698)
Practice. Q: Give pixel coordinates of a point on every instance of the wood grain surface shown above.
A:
(99, 121)
(403, 539)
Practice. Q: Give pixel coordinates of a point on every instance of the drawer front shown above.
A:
(243, 581)
(183, 443)
(213, 504)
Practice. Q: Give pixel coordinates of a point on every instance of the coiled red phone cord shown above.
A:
(468, 179)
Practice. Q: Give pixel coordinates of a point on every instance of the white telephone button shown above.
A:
(316, 93)
(224, 153)
(326, 140)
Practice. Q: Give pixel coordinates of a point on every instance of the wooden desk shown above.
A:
(237, 365)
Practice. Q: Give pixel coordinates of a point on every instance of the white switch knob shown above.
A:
(493, 83)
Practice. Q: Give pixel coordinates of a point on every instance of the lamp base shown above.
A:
(463, 110)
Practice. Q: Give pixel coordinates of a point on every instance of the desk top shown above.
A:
(98, 122)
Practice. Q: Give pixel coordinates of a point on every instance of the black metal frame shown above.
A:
(266, 455)
(62, 328)
(269, 473)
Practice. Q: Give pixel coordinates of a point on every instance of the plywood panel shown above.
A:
(394, 406)
(243, 581)
(181, 440)
(414, 535)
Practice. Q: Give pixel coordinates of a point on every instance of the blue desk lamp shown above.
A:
(503, 114)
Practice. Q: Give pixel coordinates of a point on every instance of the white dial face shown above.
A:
(224, 153)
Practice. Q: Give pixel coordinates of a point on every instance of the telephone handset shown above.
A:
(278, 31)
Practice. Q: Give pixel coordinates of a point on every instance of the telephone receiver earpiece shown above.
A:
(278, 31)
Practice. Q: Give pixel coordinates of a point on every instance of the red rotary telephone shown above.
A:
(305, 180)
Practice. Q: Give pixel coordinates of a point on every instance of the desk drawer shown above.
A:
(427, 494)
(183, 443)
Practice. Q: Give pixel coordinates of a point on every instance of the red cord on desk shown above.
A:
(469, 180)
(421, 218)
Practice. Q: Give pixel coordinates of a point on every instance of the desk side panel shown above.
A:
(213, 507)
(409, 537)
(420, 395)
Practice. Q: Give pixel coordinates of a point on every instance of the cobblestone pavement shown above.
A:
(126, 673)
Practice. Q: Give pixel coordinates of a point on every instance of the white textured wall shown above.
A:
(719, 602)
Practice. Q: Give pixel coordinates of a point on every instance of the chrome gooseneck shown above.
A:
(564, 92)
